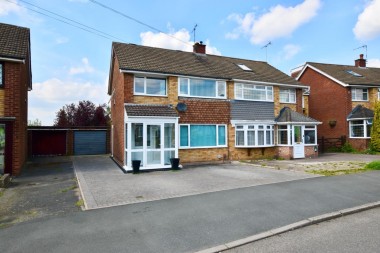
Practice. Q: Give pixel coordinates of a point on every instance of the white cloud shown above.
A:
(279, 22)
(84, 68)
(8, 7)
(49, 96)
(375, 63)
(368, 26)
(61, 40)
(290, 51)
(179, 40)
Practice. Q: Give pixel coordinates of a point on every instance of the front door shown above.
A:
(153, 145)
(298, 142)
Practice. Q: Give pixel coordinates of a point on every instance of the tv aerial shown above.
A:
(365, 47)
(266, 50)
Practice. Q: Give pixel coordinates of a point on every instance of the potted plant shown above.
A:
(136, 166)
(175, 163)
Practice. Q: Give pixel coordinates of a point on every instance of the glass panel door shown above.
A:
(298, 146)
(2, 148)
(153, 144)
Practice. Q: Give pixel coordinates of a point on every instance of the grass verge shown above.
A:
(374, 165)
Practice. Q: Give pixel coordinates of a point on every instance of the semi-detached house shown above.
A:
(203, 108)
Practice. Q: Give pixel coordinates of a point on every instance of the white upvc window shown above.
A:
(359, 94)
(202, 136)
(288, 96)
(360, 128)
(206, 88)
(150, 86)
(245, 91)
(260, 135)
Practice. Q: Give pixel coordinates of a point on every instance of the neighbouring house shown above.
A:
(343, 98)
(15, 82)
(203, 108)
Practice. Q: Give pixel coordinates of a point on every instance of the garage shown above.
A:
(90, 142)
(47, 142)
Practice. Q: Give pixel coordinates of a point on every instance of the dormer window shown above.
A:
(354, 73)
(243, 67)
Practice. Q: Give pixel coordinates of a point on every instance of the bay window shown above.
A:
(254, 135)
(360, 128)
(150, 86)
(202, 88)
(193, 136)
(254, 92)
(287, 95)
(359, 94)
(284, 135)
(310, 135)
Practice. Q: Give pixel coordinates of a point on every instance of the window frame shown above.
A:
(2, 75)
(200, 147)
(269, 97)
(255, 128)
(310, 128)
(145, 86)
(365, 123)
(290, 93)
(354, 94)
(217, 84)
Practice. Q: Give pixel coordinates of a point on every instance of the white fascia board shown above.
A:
(299, 123)
(358, 119)
(252, 122)
(365, 86)
(270, 83)
(322, 73)
(12, 60)
(143, 73)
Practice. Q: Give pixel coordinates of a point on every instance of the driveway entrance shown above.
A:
(103, 184)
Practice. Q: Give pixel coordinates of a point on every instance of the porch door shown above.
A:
(298, 142)
(153, 145)
(2, 148)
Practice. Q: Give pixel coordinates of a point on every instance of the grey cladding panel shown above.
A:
(252, 110)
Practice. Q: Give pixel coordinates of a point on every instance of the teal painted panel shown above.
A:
(90, 142)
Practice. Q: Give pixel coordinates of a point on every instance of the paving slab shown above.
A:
(103, 184)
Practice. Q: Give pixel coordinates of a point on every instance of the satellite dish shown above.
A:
(181, 107)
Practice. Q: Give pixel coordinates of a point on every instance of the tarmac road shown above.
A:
(192, 223)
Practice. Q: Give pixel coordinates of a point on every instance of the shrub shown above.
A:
(374, 165)
(347, 148)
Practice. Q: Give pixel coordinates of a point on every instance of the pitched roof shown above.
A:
(147, 110)
(251, 110)
(157, 60)
(287, 115)
(360, 112)
(14, 41)
(367, 75)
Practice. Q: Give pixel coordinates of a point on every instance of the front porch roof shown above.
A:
(288, 116)
(149, 110)
(360, 112)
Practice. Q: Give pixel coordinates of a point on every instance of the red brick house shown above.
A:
(15, 82)
(342, 97)
(203, 108)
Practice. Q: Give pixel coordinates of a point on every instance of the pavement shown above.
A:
(103, 184)
(193, 223)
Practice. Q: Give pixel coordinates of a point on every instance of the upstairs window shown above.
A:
(359, 94)
(288, 96)
(207, 88)
(1, 74)
(254, 92)
(150, 86)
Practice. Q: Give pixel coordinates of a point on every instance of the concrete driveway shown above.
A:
(103, 184)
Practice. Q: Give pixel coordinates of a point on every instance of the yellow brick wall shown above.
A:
(372, 98)
(2, 103)
(230, 90)
(203, 155)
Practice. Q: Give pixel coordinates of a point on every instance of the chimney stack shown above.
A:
(199, 48)
(361, 62)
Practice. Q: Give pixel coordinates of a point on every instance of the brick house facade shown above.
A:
(199, 107)
(16, 81)
(335, 91)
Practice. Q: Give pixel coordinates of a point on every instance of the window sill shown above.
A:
(293, 103)
(149, 95)
(269, 101)
(202, 147)
(360, 137)
(188, 96)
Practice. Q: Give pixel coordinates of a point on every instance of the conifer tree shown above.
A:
(375, 131)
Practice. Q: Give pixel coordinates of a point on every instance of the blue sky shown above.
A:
(70, 64)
